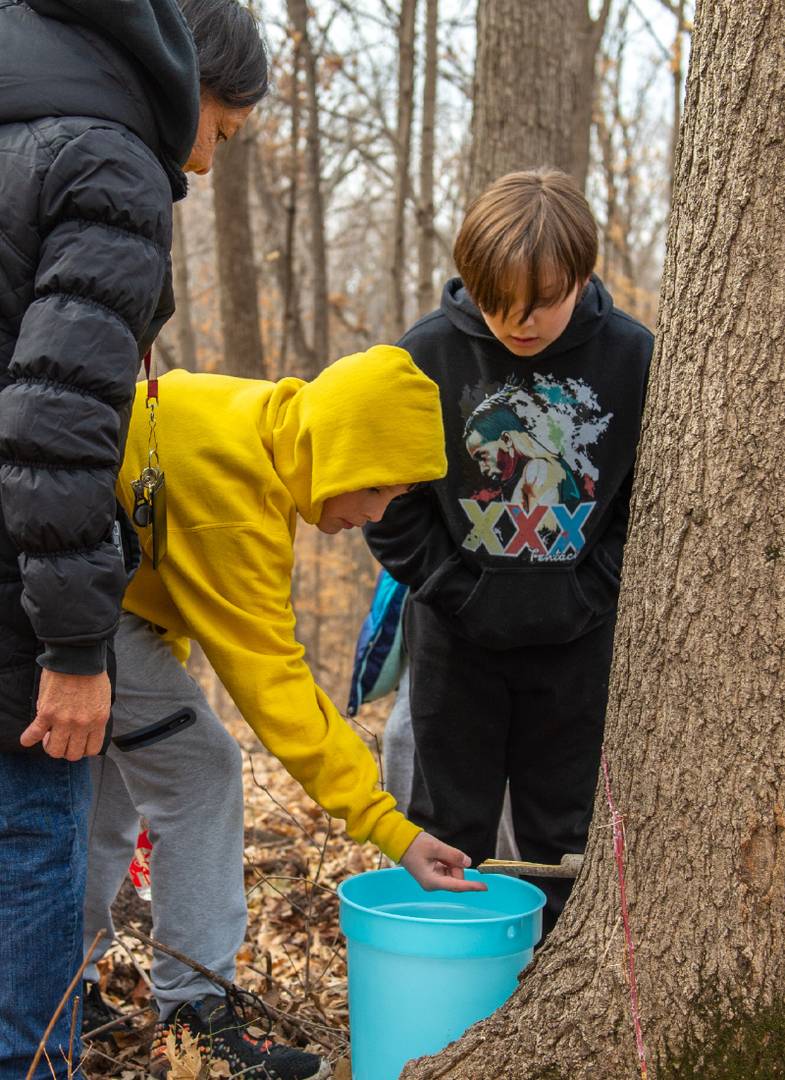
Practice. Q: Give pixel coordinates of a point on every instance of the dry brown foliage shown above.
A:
(294, 953)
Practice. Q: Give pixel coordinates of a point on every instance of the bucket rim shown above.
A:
(540, 898)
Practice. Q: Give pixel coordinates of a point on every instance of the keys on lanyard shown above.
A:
(150, 486)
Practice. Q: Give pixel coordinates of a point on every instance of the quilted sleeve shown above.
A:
(105, 221)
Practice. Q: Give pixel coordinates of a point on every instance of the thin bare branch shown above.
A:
(69, 990)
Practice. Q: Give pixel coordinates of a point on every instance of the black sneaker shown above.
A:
(222, 1034)
(97, 1012)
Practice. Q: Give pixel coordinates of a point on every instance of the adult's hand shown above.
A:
(71, 714)
(436, 865)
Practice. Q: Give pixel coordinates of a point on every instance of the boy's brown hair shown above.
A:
(530, 235)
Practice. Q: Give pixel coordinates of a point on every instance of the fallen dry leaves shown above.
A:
(294, 953)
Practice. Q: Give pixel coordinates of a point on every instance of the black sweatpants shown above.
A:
(532, 715)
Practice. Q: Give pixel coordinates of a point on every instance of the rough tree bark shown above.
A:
(243, 354)
(696, 722)
(533, 87)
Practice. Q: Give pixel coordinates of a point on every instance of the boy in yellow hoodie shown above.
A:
(243, 458)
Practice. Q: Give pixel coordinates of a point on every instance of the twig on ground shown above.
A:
(371, 735)
(51, 1066)
(93, 1051)
(74, 1012)
(336, 948)
(208, 973)
(280, 805)
(289, 877)
(140, 971)
(117, 1022)
(309, 915)
(280, 1014)
(297, 974)
(70, 989)
(379, 760)
(271, 979)
(269, 881)
(219, 980)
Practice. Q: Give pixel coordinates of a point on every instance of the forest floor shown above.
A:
(294, 953)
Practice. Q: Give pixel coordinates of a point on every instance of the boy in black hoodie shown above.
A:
(513, 559)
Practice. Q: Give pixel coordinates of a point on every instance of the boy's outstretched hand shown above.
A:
(436, 865)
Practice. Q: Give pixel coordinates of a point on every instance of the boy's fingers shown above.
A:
(452, 856)
(451, 884)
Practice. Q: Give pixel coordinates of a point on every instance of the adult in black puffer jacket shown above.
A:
(91, 144)
(100, 114)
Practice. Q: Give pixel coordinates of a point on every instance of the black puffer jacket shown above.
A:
(92, 133)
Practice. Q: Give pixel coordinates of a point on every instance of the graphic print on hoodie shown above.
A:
(521, 543)
(532, 442)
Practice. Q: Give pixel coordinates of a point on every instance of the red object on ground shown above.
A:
(139, 867)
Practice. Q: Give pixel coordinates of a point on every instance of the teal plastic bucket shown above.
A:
(423, 966)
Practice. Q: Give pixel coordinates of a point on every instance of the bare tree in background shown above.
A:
(673, 56)
(299, 16)
(695, 732)
(631, 219)
(396, 319)
(278, 198)
(287, 257)
(186, 339)
(677, 73)
(239, 302)
(533, 88)
(426, 232)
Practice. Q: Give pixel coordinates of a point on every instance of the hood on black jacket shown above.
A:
(129, 61)
(589, 317)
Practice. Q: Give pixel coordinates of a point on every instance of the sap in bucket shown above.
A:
(423, 966)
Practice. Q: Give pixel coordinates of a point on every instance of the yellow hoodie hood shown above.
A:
(241, 456)
(372, 419)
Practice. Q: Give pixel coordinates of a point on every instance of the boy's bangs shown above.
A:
(538, 271)
(537, 283)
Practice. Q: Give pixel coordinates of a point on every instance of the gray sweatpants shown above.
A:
(189, 789)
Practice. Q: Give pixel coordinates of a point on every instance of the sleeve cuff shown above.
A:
(74, 659)
(393, 833)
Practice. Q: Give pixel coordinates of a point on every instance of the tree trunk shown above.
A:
(695, 734)
(426, 234)
(290, 292)
(243, 354)
(396, 316)
(533, 87)
(186, 339)
(298, 14)
(280, 218)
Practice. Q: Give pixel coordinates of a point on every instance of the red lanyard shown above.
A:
(152, 384)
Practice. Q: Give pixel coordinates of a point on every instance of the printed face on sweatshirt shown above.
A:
(532, 475)
(542, 326)
(217, 124)
(354, 509)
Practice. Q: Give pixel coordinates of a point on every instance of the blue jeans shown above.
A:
(44, 805)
